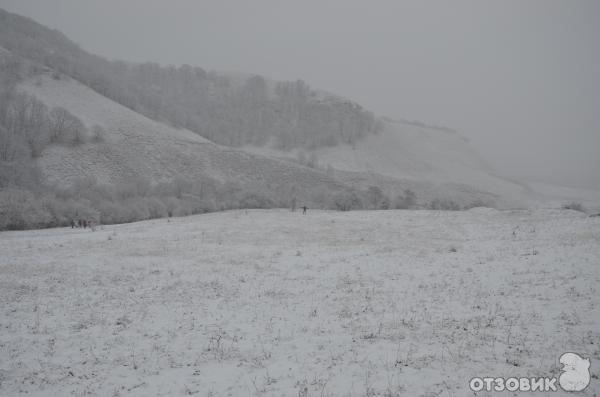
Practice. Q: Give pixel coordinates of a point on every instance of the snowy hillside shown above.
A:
(275, 303)
(434, 162)
(135, 146)
(138, 105)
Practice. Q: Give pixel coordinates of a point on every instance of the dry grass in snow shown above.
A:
(274, 303)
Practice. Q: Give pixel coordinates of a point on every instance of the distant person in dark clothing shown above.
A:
(72, 223)
(304, 210)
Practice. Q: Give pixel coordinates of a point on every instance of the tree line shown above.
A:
(137, 199)
(228, 110)
(28, 126)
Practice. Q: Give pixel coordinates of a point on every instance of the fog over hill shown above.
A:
(228, 109)
(81, 127)
(519, 79)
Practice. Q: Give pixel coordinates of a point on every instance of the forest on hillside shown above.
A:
(28, 127)
(228, 110)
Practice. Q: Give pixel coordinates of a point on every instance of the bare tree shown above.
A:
(406, 201)
(66, 128)
(11, 147)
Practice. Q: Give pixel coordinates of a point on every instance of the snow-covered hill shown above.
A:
(236, 109)
(135, 146)
(435, 162)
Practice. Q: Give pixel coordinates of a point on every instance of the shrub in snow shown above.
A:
(171, 203)
(156, 208)
(136, 210)
(346, 201)
(376, 199)
(574, 206)
(444, 205)
(65, 128)
(61, 211)
(19, 209)
(255, 200)
(406, 201)
(478, 203)
(111, 212)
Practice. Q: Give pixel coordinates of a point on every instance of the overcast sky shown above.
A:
(520, 79)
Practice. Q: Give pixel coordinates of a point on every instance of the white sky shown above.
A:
(520, 78)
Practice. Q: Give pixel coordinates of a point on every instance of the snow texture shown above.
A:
(276, 303)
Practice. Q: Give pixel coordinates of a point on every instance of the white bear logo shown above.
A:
(575, 374)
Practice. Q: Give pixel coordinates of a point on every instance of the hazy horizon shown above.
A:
(520, 80)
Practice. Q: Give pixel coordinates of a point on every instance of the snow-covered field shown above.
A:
(274, 303)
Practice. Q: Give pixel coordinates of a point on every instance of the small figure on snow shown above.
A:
(304, 208)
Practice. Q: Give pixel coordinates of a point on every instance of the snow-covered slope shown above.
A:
(436, 162)
(554, 196)
(433, 163)
(137, 146)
